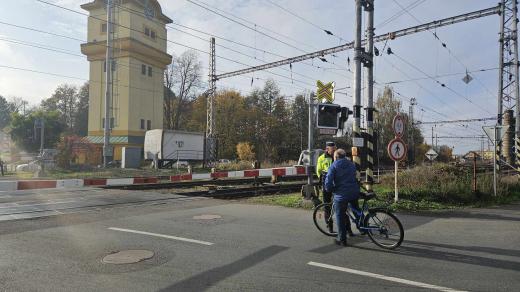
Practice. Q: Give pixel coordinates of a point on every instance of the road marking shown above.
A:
(383, 277)
(161, 235)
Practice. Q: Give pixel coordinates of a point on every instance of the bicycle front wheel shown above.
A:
(384, 229)
(323, 216)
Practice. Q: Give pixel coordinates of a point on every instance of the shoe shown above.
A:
(330, 226)
(340, 242)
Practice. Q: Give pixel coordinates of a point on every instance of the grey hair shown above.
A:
(339, 154)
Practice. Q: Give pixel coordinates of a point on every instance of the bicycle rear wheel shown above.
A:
(384, 229)
(323, 219)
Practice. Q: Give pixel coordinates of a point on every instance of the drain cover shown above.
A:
(207, 217)
(128, 257)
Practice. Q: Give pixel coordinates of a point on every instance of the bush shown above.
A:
(448, 184)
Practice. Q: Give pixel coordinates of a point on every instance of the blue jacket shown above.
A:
(341, 180)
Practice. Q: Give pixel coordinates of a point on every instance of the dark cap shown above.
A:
(330, 144)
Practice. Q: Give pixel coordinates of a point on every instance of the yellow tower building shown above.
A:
(139, 61)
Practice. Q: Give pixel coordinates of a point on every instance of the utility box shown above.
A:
(130, 157)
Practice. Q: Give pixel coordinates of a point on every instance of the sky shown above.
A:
(473, 46)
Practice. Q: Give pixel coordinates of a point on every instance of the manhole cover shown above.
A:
(207, 217)
(128, 257)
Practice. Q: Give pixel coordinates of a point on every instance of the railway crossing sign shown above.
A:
(325, 91)
(431, 154)
(397, 149)
(398, 125)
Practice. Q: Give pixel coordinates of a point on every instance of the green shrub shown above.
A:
(448, 184)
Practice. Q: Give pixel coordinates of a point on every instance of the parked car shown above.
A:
(32, 166)
(224, 161)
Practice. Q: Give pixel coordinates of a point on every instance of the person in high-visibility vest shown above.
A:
(322, 167)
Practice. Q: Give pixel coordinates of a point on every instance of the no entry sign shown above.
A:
(397, 149)
(398, 125)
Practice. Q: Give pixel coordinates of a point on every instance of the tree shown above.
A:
(445, 153)
(5, 112)
(299, 118)
(80, 115)
(182, 79)
(64, 101)
(24, 135)
(245, 151)
(387, 106)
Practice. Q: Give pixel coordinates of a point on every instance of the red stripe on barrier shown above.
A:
(185, 177)
(36, 184)
(145, 180)
(95, 182)
(279, 171)
(219, 174)
(251, 173)
(300, 170)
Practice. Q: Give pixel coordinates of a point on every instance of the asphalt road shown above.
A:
(250, 248)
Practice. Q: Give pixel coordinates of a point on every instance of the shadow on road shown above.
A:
(490, 250)
(428, 253)
(209, 278)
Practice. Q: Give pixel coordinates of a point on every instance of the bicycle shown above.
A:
(381, 225)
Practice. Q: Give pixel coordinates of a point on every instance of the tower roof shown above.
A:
(152, 4)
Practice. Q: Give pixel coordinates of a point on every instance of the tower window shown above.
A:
(146, 31)
(150, 71)
(148, 125)
(143, 69)
(111, 123)
(142, 124)
(152, 34)
(103, 27)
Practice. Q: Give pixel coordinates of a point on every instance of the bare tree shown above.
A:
(182, 80)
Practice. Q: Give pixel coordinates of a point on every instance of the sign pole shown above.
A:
(396, 195)
(495, 163)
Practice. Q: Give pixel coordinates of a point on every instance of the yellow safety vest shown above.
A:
(324, 162)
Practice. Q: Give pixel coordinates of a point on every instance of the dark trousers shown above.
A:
(342, 219)
(327, 198)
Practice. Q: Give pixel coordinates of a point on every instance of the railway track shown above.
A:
(215, 182)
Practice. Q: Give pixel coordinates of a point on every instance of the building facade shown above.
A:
(139, 60)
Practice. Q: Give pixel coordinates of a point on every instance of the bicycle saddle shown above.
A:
(367, 196)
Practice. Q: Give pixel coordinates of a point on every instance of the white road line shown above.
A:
(383, 277)
(161, 235)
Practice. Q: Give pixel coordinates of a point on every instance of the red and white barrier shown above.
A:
(6, 186)
(282, 171)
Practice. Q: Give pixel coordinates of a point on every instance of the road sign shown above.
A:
(325, 91)
(325, 131)
(397, 149)
(490, 132)
(398, 125)
(431, 154)
(358, 142)
(467, 79)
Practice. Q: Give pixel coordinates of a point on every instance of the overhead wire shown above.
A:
(438, 82)
(221, 13)
(326, 31)
(170, 41)
(443, 44)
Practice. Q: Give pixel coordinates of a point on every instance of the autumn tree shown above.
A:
(182, 79)
(245, 151)
(387, 106)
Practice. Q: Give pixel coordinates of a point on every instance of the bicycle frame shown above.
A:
(359, 216)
